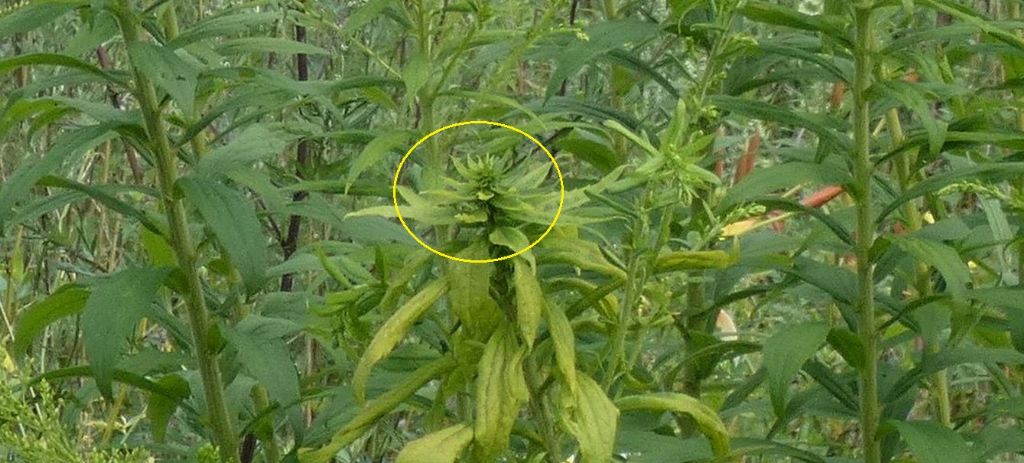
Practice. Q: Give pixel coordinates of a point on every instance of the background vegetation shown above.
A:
(791, 231)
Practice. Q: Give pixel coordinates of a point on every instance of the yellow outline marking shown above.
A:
(398, 172)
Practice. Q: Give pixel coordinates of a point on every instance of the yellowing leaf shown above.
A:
(529, 301)
(565, 345)
(469, 294)
(443, 446)
(392, 332)
(691, 260)
(594, 423)
(738, 228)
(500, 390)
(705, 418)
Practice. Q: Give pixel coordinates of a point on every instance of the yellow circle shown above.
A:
(394, 190)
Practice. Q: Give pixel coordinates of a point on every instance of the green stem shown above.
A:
(184, 250)
(541, 408)
(922, 282)
(869, 405)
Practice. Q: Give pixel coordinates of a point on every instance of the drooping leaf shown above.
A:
(416, 74)
(70, 144)
(705, 418)
(234, 223)
(168, 71)
(594, 421)
(374, 153)
(529, 301)
(785, 353)
(377, 408)
(442, 446)
(264, 354)
(160, 408)
(393, 331)
(933, 443)
(469, 294)
(65, 301)
(944, 258)
(267, 45)
(34, 14)
(253, 144)
(110, 316)
(564, 340)
(500, 391)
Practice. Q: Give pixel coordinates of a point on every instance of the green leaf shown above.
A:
(529, 301)
(705, 418)
(594, 421)
(785, 353)
(572, 55)
(933, 363)
(826, 127)
(375, 151)
(944, 258)
(65, 301)
(103, 194)
(221, 25)
(33, 15)
(368, 12)
(500, 391)
(416, 74)
(74, 143)
(442, 446)
(255, 143)
(780, 15)
(590, 148)
(110, 315)
(234, 223)
(54, 59)
(160, 408)
(995, 171)
(267, 45)
(933, 443)
(914, 98)
(784, 176)
(169, 72)
(393, 331)
(264, 354)
(511, 238)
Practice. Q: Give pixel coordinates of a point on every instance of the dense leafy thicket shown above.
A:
(786, 231)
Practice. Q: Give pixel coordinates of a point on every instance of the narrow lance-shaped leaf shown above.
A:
(933, 443)
(265, 356)
(529, 301)
(784, 355)
(565, 345)
(377, 408)
(442, 446)
(233, 222)
(64, 302)
(393, 331)
(500, 390)
(114, 308)
(706, 419)
(70, 144)
(594, 422)
(168, 71)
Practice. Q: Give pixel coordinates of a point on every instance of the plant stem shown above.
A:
(181, 242)
(869, 405)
